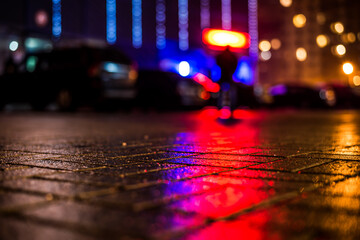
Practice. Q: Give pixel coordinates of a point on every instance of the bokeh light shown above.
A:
(299, 20)
(286, 3)
(275, 44)
(264, 45)
(13, 46)
(41, 18)
(351, 37)
(356, 80)
(340, 50)
(320, 18)
(301, 54)
(322, 40)
(184, 68)
(348, 68)
(337, 27)
(265, 55)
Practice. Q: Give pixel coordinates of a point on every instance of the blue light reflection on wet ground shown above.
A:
(228, 147)
(264, 175)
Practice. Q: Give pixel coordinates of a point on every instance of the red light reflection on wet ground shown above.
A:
(228, 147)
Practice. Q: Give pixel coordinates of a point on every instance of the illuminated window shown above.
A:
(160, 24)
(205, 13)
(226, 14)
(136, 23)
(56, 18)
(183, 25)
(111, 21)
(253, 28)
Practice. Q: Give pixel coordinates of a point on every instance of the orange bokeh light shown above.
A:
(219, 39)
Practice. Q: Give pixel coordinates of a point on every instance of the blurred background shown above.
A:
(150, 54)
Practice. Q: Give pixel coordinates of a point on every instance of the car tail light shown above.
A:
(94, 70)
(133, 73)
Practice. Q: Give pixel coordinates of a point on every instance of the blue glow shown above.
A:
(244, 73)
(205, 13)
(136, 23)
(226, 14)
(160, 24)
(183, 25)
(56, 18)
(112, 67)
(111, 21)
(216, 73)
(184, 68)
(278, 90)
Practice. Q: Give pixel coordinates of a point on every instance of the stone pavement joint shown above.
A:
(179, 175)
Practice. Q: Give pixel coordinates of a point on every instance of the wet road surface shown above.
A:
(265, 175)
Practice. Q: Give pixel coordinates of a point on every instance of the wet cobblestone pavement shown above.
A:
(268, 175)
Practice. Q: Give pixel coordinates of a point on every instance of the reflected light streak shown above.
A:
(242, 228)
(346, 133)
(215, 195)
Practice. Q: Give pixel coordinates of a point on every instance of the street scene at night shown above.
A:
(179, 119)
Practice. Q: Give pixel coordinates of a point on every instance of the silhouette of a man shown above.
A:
(227, 61)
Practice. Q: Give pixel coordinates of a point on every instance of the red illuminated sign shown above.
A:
(219, 39)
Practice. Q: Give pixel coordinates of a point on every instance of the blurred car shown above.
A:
(71, 77)
(297, 96)
(340, 96)
(165, 90)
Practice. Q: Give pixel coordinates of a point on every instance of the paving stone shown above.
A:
(274, 175)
